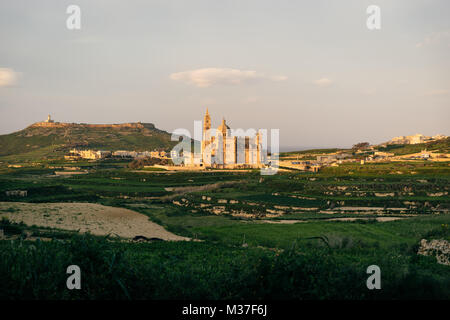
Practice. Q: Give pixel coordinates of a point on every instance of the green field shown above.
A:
(238, 256)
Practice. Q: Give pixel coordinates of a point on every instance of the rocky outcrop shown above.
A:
(438, 248)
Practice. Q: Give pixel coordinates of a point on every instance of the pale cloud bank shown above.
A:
(8, 77)
(435, 38)
(437, 92)
(85, 40)
(252, 99)
(208, 77)
(370, 91)
(324, 82)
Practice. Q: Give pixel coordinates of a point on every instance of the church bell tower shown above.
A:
(206, 137)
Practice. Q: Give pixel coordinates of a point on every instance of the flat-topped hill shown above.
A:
(137, 125)
(51, 138)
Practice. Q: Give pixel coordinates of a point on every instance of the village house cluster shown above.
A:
(415, 139)
(16, 193)
(90, 154)
(362, 156)
(320, 162)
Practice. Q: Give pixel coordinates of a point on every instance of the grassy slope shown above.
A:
(441, 146)
(48, 140)
(205, 270)
(311, 151)
(384, 234)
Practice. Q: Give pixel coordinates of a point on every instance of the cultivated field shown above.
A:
(294, 235)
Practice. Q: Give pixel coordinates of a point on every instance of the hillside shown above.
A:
(45, 139)
(310, 152)
(439, 146)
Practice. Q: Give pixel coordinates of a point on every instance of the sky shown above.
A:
(311, 69)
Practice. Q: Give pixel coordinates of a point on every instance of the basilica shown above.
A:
(227, 148)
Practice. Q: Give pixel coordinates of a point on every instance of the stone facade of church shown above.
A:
(220, 148)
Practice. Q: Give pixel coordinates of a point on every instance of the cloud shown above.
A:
(370, 91)
(324, 82)
(435, 38)
(85, 40)
(250, 100)
(208, 77)
(437, 92)
(208, 101)
(8, 77)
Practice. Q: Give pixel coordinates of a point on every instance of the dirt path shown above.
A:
(86, 217)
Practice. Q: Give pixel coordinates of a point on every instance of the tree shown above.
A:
(361, 145)
(141, 162)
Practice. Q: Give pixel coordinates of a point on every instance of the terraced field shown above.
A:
(339, 220)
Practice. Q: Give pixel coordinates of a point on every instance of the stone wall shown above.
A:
(438, 248)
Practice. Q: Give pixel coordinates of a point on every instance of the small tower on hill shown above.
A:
(49, 119)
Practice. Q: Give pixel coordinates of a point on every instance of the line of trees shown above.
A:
(141, 162)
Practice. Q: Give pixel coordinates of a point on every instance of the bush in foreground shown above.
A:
(191, 270)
